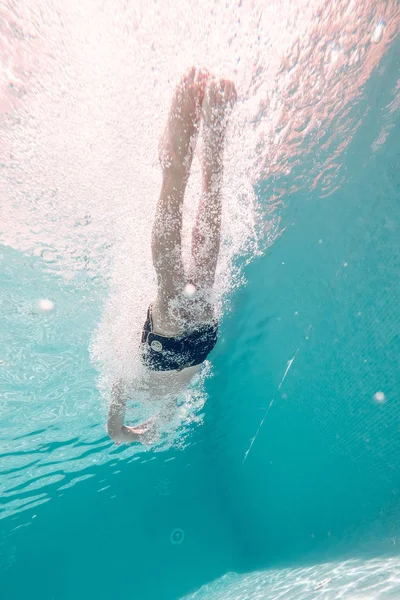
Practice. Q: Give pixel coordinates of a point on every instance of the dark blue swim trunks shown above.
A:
(162, 353)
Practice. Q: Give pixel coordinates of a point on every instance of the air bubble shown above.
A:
(177, 536)
(379, 397)
(46, 305)
(189, 290)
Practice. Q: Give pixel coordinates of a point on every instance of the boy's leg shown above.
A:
(219, 99)
(176, 154)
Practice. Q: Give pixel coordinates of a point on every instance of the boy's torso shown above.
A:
(157, 385)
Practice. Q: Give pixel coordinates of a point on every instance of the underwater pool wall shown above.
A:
(322, 474)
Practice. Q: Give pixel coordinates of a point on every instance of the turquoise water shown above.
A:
(288, 485)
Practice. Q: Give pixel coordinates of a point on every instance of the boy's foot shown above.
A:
(219, 99)
(179, 140)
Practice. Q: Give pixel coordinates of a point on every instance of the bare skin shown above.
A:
(197, 96)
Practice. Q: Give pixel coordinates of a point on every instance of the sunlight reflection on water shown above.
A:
(375, 579)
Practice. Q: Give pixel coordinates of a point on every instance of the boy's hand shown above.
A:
(147, 433)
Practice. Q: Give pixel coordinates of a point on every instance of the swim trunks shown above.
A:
(163, 353)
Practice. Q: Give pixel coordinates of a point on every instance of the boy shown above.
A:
(180, 330)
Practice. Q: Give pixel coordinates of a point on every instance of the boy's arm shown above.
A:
(116, 416)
